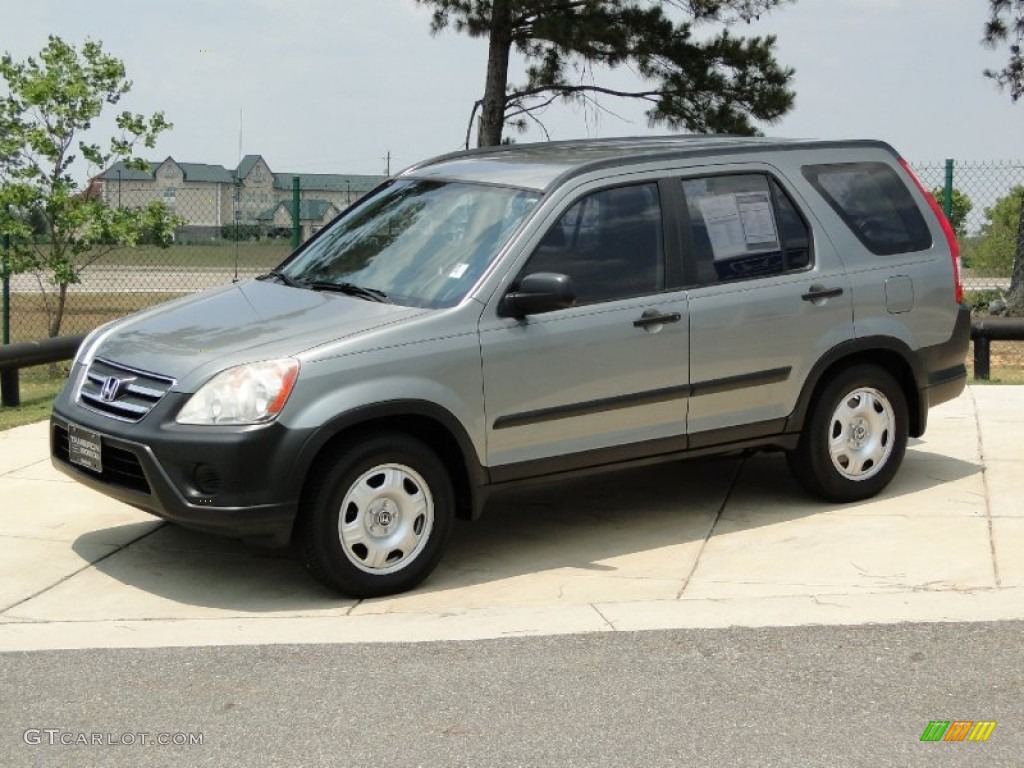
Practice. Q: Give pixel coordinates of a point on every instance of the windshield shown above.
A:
(418, 243)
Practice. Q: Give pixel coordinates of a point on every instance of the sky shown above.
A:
(335, 86)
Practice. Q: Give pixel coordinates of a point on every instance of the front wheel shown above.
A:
(377, 516)
(854, 441)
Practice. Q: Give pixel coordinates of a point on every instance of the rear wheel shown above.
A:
(855, 438)
(377, 516)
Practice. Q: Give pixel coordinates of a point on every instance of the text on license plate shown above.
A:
(85, 448)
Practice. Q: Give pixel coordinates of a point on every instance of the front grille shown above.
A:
(120, 467)
(121, 392)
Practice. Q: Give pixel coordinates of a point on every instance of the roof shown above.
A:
(247, 164)
(322, 182)
(191, 171)
(538, 166)
(120, 170)
(312, 209)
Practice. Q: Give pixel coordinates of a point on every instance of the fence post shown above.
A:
(947, 190)
(10, 394)
(5, 246)
(296, 224)
(982, 358)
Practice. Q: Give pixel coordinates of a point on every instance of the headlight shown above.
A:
(246, 394)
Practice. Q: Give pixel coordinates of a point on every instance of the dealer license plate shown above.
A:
(85, 447)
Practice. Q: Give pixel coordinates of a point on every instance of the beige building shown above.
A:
(209, 197)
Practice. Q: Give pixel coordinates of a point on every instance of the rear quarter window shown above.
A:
(874, 203)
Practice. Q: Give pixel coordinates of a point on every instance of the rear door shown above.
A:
(771, 297)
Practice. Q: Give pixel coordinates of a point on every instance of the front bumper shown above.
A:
(233, 481)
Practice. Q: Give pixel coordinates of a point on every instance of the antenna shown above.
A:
(387, 168)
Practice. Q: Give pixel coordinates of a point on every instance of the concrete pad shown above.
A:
(1005, 483)
(600, 538)
(927, 487)
(40, 470)
(1008, 538)
(20, 451)
(29, 566)
(42, 510)
(144, 583)
(762, 547)
(922, 487)
(999, 401)
(593, 554)
(1002, 440)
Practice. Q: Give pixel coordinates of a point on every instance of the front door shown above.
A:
(602, 380)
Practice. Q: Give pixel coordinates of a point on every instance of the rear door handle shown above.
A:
(821, 292)
(654, 317)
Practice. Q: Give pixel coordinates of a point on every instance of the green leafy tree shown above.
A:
(692, 79)
(1006, 26)
(992, 252)
(46, 113)
(960, 206)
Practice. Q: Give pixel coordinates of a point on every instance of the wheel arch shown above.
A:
(427, 422)
(891, 355)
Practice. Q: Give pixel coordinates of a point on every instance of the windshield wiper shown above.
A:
(289, 281)
(350, 289)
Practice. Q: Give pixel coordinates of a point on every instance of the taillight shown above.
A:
(947, 229)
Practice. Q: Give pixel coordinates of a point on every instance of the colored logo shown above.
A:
(958, 730)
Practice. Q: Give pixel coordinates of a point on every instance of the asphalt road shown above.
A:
(811, 696)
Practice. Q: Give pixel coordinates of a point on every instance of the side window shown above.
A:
(609, 243)
(874, 203)
(743, 226)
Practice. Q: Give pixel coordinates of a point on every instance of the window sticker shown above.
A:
(458, 271)
(739, 224)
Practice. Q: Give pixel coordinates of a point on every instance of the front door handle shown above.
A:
(817, 292)
(654, 317)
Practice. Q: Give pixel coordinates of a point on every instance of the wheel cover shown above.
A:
(386, 519)
(862, 434)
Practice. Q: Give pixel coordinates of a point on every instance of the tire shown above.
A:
(376, 516)
(854, 440)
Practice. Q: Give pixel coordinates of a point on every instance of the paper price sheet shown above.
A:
(739, 224)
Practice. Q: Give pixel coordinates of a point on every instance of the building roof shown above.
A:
(323, 182)
(247, 164)
(312, 209)
(191, 171)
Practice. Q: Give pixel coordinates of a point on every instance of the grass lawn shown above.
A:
(83, 312)
(37, 390)
(261, 254)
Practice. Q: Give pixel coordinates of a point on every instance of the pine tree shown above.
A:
(692, 81)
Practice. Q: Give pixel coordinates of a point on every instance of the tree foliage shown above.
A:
(992, 252)
(1005, 25)
(960, 207)
(691, 79)
(46, 114)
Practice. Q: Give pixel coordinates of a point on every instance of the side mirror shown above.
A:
(538, 292)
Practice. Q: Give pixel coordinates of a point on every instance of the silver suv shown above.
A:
(520, 313)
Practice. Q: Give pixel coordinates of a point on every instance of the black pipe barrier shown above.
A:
(24, 354)
(992, 328)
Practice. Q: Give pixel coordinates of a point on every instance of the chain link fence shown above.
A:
(234, 224)
(983, 201)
